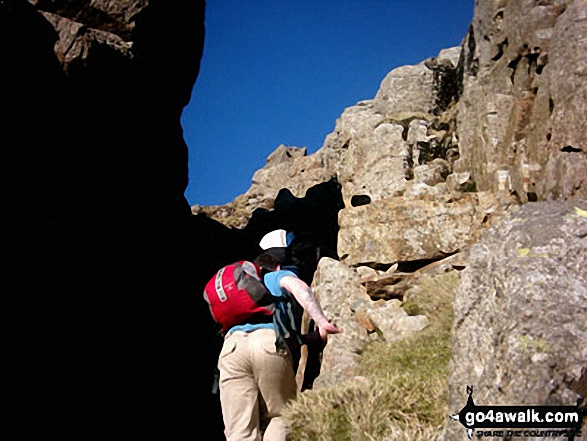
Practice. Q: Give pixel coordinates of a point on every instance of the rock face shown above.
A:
(481, 117)
(396, 155)
(523, 89)
(105, 332)
(444, 150)
(338, 289)
(519, 332)
(374, 146)
(402, 230)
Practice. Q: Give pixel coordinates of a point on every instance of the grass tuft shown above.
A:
(401, 391)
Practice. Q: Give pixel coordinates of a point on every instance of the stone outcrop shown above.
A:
(519, 330)
(89, 27)
(286, 165)
(481, 117)
(396, 155)
(402, 230)
(368, 305)
(337, 296)
(523, 91)
(373, 149)
(348, 304)
(443, 150)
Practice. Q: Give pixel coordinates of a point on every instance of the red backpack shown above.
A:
(236, 296)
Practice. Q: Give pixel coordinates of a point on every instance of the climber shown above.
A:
(255, 362)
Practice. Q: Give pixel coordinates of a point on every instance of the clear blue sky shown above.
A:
(282, 71)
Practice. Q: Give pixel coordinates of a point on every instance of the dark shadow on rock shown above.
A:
(105, 331)
(313, 219)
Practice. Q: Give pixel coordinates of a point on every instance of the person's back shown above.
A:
(255, 363)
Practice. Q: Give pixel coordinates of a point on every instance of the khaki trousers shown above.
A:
(255, 381)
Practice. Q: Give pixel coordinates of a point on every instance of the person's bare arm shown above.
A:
(305, 297)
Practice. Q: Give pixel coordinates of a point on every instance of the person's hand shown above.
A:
(325, 328)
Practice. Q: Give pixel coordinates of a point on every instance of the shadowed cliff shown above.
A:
(103, 322)
(106, 330)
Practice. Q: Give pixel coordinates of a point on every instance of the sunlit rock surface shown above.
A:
(519, 329)
(400, 229)
(347, 303)
(523, 91)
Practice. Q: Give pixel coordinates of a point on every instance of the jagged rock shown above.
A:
(401, 285)
(418, 88)
(235, 214)
(372, 150)
(388, 287)
(451, 54)
(287, 168)
(284, 154)
(393, 322)
(400, 229)
(89, 27)
(523, 90)
(338, 288)
(297, 175)
(115, 17)
(519, 330)
(367, 274)
(433, 173)
(347, 303)
(95, 90)
(376, 142)
(76, 41)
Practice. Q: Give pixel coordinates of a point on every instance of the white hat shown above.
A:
(274, 239)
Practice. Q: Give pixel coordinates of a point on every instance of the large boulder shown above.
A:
(419, 88)
(405, 229)
(520, 335)
(339, 291)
